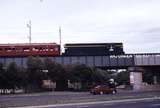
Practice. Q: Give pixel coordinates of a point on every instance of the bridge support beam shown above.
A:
(155, 80)
(136, 77)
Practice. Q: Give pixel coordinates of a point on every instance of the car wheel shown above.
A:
(94, 93)
(101, 92)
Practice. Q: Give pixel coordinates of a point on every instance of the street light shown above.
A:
(29, 26)
(60, 39)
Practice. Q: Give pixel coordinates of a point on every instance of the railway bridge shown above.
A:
(136, 64)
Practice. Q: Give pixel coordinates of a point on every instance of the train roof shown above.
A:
(26, 44)
(91, 44)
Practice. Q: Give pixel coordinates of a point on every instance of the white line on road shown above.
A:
(155, 105)
(90, 103)
(82, 106)
(107, 104)
(133, 102)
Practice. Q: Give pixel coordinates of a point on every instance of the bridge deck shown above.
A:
(97, 61)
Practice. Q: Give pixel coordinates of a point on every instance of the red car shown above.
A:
(103, 89)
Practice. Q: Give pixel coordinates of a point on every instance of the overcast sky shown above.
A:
(136, 23)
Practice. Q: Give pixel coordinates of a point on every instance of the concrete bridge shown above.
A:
(135, 63)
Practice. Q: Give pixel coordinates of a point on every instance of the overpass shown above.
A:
(135, 63)
(112, 61)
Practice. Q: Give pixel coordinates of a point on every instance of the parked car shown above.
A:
(103, 89)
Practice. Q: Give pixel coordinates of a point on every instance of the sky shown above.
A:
(135, 23)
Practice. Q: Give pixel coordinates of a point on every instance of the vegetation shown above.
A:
(38, 69)
(10, 78)
(122, 78)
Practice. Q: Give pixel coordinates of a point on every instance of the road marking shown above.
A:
(108, 104)
(155, 105)
(132, 102)
(90, 103)
(82, 106)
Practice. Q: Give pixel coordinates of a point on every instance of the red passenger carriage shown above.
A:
(26, 49)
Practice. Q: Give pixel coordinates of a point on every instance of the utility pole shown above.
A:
(60, 39)
(30, 35)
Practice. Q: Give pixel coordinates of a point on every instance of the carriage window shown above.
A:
(51, 49)
(35, 49)
(26, 49)
(56, 48)
(8, 49)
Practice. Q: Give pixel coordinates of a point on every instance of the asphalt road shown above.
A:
(72, 95)
(66, 97)
(131, 104)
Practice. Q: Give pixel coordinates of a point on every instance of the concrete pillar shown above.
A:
(136, 77)
(155, 80)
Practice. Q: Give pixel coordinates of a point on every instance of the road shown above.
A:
(141, 104)
(130, 103)
(67, 97)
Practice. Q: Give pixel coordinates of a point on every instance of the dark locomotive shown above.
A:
(93, 49)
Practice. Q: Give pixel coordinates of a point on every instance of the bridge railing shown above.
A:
(147, 59)
(97, 61)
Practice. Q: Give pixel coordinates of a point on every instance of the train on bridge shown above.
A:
(53, 49)
(93, 49)
(26, 49)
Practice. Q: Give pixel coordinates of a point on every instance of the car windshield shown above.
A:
(101, 86)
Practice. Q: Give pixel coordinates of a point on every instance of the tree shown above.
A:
(100, 76)
(3, 79)
(122, 78)
(87, 76)
(50, 67)
(81, 73)
(148, 76)
(35, 73)
(13, 76)
(23, 76)
(56, 73)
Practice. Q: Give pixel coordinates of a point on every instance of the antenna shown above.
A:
(30, 35)
(60, 39)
